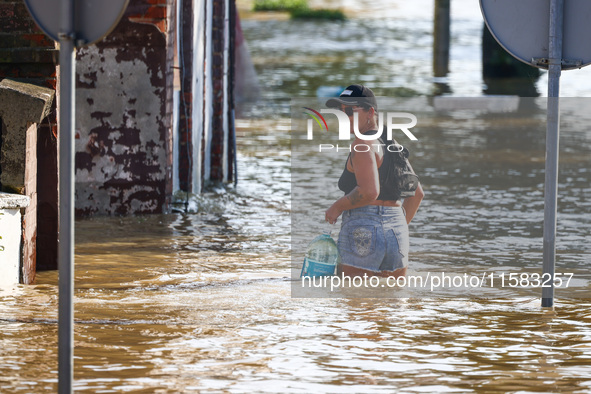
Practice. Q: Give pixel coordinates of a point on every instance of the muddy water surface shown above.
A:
(202, 301)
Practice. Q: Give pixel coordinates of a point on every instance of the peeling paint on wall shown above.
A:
(121, 157)
(124, 145)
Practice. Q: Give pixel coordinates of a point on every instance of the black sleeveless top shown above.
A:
(348, 182)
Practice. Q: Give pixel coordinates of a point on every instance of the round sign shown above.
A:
(522, 27)
(92, 20)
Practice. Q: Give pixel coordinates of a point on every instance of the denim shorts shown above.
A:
(374, 238)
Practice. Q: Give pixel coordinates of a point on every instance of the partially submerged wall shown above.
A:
(123, 116)
(29, 55)
(22, 107)
(11, 208)
(125, 146)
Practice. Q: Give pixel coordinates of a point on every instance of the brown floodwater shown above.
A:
(209, 300)
(203, 301)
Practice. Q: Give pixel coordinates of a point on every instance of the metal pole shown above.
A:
(66, 198)
(552, 147)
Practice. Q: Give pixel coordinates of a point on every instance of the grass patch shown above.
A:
(298, 9)
(325, 14)
(279, 5)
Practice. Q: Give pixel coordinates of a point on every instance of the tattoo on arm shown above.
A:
(355, 196)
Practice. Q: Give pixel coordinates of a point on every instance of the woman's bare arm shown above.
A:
(411, 204)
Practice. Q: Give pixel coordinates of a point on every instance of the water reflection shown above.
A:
(201, 302)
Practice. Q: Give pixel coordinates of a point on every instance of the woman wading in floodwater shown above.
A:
(374, 234)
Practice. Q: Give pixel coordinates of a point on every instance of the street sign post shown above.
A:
(72, 23)
(522, 28)
(553, 35)
(91, 19)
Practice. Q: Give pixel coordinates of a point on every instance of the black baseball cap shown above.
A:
(354, 95)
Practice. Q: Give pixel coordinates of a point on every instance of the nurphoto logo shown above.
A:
(387, 122)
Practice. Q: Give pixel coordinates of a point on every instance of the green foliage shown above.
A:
(298, 9)
(325, 14)
(279, 5)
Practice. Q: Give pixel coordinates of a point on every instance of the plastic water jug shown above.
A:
(321, 258)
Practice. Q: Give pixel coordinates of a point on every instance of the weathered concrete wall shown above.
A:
(124, 147)
(28, 54)
(22, 107)
(10, 246)
(123, 119)
(11, 206)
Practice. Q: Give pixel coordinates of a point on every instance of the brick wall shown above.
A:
(25, 52)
